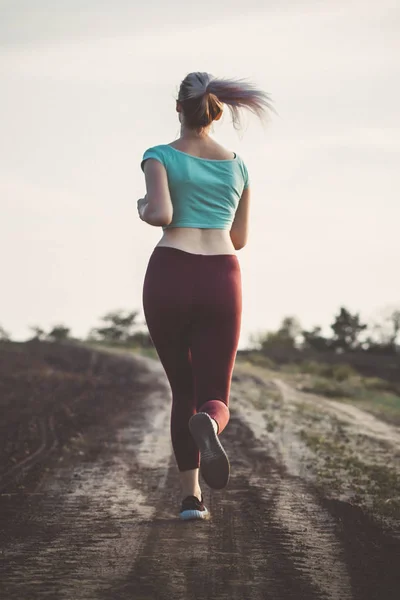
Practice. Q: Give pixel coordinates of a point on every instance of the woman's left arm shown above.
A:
(156, 207)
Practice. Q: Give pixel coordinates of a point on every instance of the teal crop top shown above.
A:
(204, 192)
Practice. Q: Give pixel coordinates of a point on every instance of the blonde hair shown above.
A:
(202, 97)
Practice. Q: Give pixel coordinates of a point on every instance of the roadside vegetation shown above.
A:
(354, 362)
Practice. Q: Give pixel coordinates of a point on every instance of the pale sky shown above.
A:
(87, 86)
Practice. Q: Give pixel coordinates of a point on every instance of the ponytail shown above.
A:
(202, 97)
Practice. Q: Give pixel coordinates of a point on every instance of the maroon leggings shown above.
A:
(192, 305)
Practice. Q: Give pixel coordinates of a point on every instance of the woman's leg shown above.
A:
(166, 303)
(215, 334)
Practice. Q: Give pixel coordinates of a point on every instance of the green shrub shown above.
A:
(311, 367)
(326, 387)
(256, 358)
(339, 372)
(375, 383)
(291, 368)
(342, 372)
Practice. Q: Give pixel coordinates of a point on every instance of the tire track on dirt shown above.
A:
(307, 532)
(255, 537)
(48, 441)
(86, 527)
(302, 552)
(347, 553)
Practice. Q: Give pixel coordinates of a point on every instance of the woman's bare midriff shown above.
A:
(198, 241)
(191, 239)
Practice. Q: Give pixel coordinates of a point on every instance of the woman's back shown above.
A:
(216, 238)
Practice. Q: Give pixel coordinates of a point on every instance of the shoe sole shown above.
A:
(187, 515)
(214, 463)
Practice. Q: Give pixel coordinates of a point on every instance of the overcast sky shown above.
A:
(87, 86)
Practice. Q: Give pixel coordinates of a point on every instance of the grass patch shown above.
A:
(376, 486)
(371, 394)
(337, 372)
(258, 359)
(340, 372)
(266, 397)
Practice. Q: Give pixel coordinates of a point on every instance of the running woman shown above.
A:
(199, 193)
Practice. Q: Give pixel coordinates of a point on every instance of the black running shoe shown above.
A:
(214, 463)
(193, 508)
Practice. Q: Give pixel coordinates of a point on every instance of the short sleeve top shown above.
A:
(204, 192)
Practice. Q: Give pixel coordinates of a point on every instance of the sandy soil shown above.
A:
(89, 493)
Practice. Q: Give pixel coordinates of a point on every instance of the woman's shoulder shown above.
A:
(156, 152)
(209, 150)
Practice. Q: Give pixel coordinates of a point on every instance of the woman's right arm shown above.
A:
(240, 227)
(156, 207)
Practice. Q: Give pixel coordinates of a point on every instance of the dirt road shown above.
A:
(89, 511)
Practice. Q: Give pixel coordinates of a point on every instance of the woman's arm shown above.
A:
(240, 227)
(156, 207)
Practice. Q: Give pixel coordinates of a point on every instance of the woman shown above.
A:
(199, 193)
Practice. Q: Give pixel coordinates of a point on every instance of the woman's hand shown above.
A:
(141, 204)
(151, 216)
